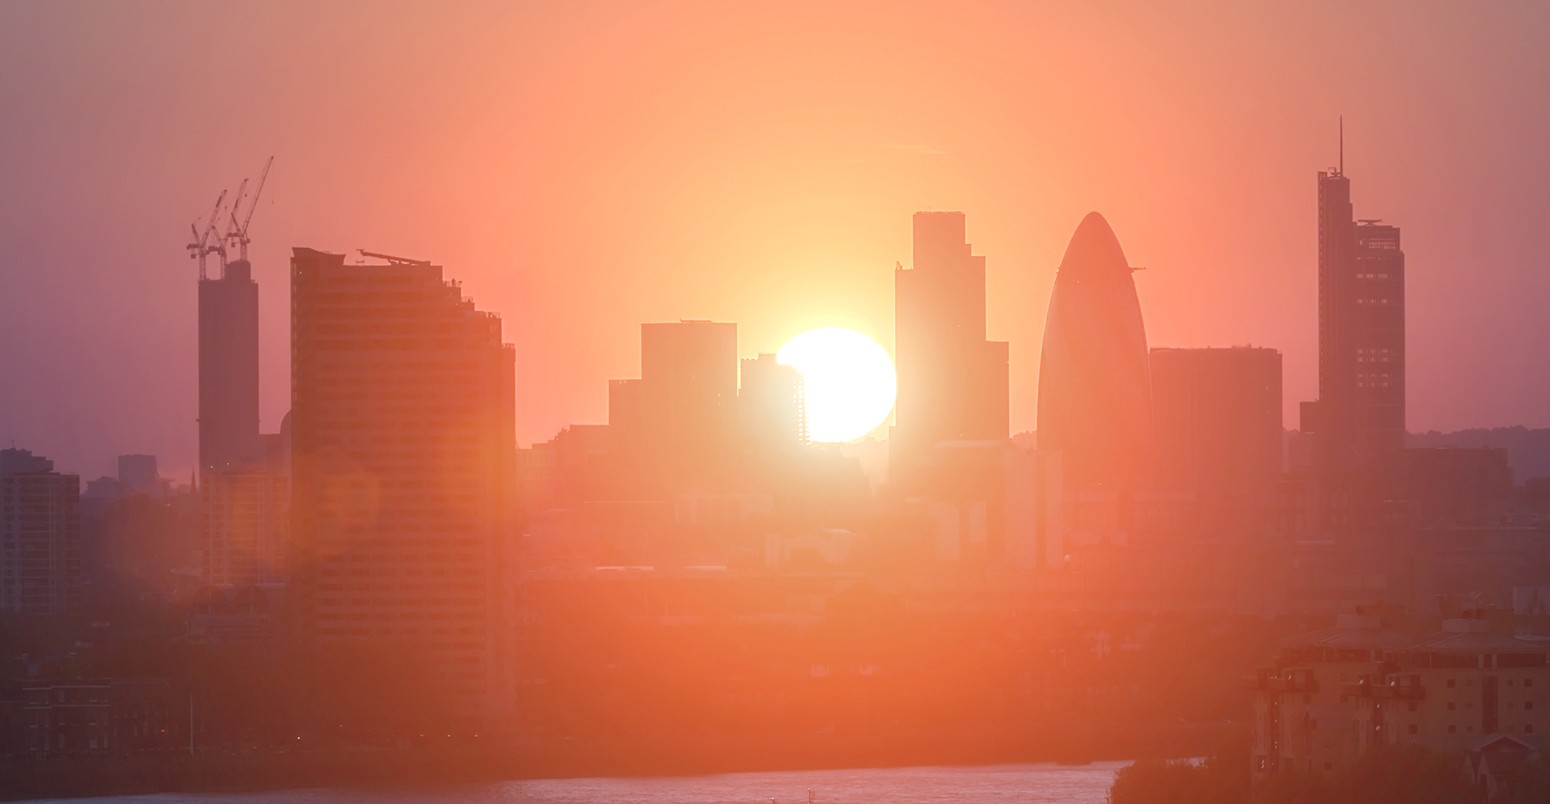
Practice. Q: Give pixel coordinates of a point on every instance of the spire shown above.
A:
(1341, 169)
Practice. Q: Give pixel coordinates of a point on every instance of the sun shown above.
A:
(849, 379)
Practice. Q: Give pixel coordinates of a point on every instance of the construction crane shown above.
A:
(201, 246)
(238, 232)
(231, 225)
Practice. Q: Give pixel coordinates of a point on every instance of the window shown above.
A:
(1453, 729)
(1528, 682)
(1414, 729)
(1528, 704)
(1451, 684)
(1528, 728)
(1452, 706)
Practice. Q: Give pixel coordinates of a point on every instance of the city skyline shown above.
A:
(1242, 270)
(559, 395)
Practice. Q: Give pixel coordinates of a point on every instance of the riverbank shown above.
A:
(435, 767)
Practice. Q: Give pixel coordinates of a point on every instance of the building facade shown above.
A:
(1359, 418)
(952, 381)
(403, 463)
(1335, 695)
(40, 536)
(1216, 419)
(228, 369)
(1095, 394)
(675, 427)
(245, 515)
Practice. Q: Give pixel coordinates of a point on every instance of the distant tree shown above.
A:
(1292, 787)
(1158, 782)
(1530, 784)
(1408, 774)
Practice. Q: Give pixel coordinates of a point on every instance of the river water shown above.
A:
(1084, 784)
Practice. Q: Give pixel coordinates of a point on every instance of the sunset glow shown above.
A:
(849, 379)
(809, 401)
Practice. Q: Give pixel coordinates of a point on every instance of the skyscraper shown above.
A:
(1359, 418)
(137, 474)
(243, 515)
(403, 456)
(40, 535)
(1094, 374)
(952, 381)
(228, 369)
(675, 425)
(1216, 417)
(772, 405)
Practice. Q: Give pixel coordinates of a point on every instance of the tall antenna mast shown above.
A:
(1341, 169)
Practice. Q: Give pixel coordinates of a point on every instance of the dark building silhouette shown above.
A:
(676, 424)
(228, 369)
(1216, 417)
(952, 382)
(1359, 419)
(40, 536)
(1452, 485)
(138, 474)
(403, 463)
(1094, 372)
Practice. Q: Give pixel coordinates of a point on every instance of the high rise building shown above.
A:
(40, 535)
(228, 369)
(952, 381)
(676, 425)
(137, 474)
(244, 526)
(1216, 421)
(403, 462)
(1094, 375)
(1359, 418)
(774, 409)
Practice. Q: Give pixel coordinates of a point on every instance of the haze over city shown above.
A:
(687, 402)
(581, 167)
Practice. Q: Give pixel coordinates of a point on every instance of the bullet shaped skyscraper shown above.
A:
(952, 381)
(1094, 376)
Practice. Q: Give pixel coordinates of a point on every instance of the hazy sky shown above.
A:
(584, 167)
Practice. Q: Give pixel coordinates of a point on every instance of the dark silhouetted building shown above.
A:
(1094, 372)
(1216, 421)
(1453, 485)
(675, 426)
(137, 474)
(1359, 418)
(403, 463)
(40, 535)
(952, 381)
(79, 717)
(228, 369)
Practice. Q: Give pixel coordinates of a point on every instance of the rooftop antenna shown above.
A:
(1341, 169)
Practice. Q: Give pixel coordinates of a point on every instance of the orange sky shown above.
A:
(584, 167)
